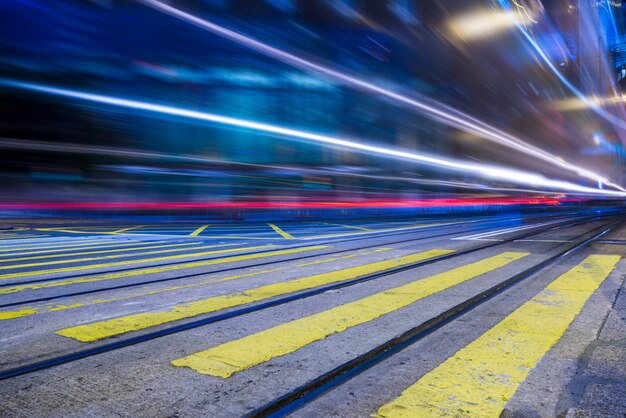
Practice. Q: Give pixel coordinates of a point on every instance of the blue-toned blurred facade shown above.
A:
(123, 49)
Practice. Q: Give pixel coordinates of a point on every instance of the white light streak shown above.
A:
(481, 170)
(442, 113)
(73, 148)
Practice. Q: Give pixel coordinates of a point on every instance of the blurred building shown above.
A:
(123, 49)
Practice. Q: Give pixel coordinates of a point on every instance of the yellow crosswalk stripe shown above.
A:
(343, 234)
(53, 308)
(125, 263)
(120, 231)
(198, 231)
(169, 249)
(480, 378)
(74, 231)
(235, 356)
(116, 326)
(187, 245)
(47, 252)
(61, 245)
(351, 227)
(281, 232)
(159, 269)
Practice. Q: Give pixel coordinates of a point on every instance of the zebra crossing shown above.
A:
(477, 380)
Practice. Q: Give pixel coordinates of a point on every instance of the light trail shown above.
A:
(66, 147)
(442, 113)
(361, 204)
(481, 170)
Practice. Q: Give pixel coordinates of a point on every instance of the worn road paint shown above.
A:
(281, 232)
(120, 231)
(47, 253)
(187, 245)
(480, 378)
(235, 356)
(125, 263)
(117, 326)
(198, 231)
(350, 227)
(61, 246)
(53, 308)
(158, 269)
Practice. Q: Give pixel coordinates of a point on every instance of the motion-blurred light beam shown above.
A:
(74, 148)
(442, 113)
(481, 170)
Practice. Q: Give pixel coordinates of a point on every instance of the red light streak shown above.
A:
(364, 204)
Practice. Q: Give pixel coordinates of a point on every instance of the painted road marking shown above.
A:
(281, 232)
(58, 244)
(481, 377)
(349, 226)
(73, 231)
(160, 269)
(148, 233)
(117, 250)
(378, 231)
(238, 355)
(117, 326)
(109, 231)
(198, 231)
(126, 263)
(53, 308)
(119, 231)
(109, 257)
(85, 247)
(483, 236)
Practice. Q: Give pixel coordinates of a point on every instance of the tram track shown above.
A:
(311, 390)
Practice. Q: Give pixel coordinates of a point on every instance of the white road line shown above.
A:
(479, 237)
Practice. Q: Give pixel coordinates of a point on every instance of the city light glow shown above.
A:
(481, 24)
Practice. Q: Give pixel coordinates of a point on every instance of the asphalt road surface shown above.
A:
(503, 315)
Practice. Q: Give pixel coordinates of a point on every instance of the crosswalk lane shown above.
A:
(129, 262)
(51, 251)
(184, 246)
(170, 248)
(26, 311)
(238, 355)
(59, 244)
(480, 378)
(476, 381)
(158, 269)
(117, 326)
